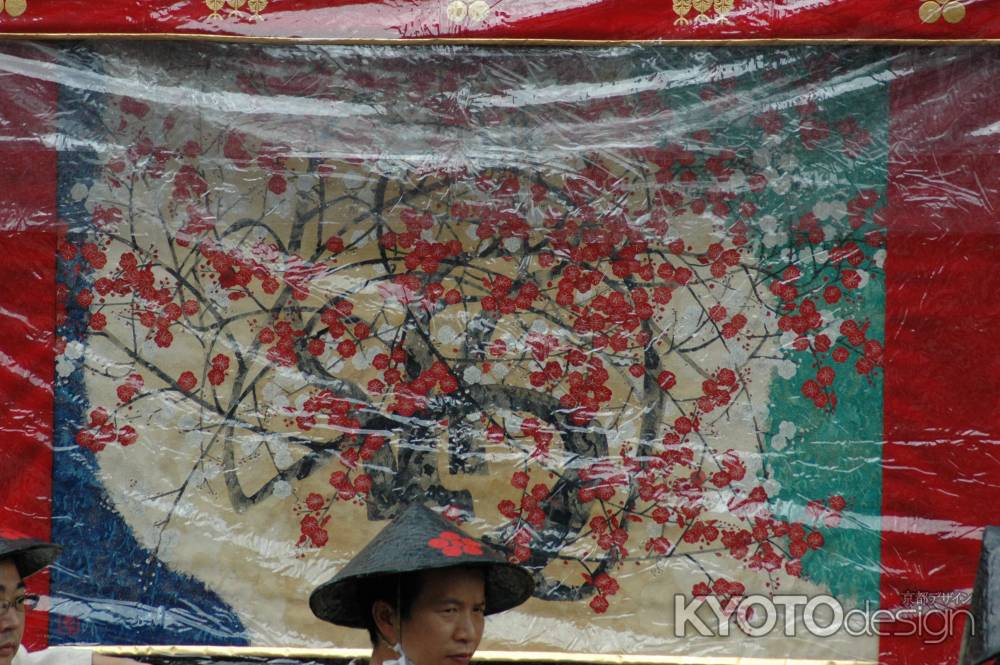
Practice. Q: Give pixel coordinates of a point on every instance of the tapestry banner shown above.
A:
(672, 328)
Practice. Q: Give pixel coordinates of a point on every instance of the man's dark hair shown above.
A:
(14, 559)
(399, 591)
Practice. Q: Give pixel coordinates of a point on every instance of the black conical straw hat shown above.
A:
(29, 555)
(418, 539)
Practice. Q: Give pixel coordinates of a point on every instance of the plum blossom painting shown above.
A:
(620, 315)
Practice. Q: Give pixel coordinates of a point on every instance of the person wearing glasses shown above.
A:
(422, 589)
(21, 557)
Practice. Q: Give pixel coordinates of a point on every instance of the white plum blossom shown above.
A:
(303, 182)
(282, 457)
(363, 358)
(771, 486)
(782, 184)
(832, 329)
(778, 442)
(74, 350)
(64, 367)
(79, 191)
(787, 429)
(539, 326)
(768, 224)
(445, 334)
(786, 369)
(281, 489)
(761, 157)
(772, 240)
(822, 210)
(472, 374)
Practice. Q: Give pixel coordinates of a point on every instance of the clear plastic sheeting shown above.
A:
(634, 315)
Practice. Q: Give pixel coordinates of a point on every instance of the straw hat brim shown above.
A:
(28, 554)
(418, 539)
(339, 600)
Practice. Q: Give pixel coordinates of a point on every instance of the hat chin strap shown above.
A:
(398, 646)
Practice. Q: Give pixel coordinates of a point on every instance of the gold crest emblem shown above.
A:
(952, 11)
(235, 8)
(705, 10)
(12, 8)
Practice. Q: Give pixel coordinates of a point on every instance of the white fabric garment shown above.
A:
(53, 656)
(402, 660)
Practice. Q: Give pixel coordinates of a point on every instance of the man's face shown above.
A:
(11, 621)
(447, 618)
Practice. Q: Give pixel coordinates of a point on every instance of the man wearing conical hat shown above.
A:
(422, 589)
(21, 557)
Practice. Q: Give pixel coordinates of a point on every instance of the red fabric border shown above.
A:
(942, 384)
(517, 19)
(27, 317)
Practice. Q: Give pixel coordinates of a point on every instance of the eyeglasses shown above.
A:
(19, 604)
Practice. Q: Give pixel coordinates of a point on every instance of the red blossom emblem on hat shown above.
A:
(452, 544)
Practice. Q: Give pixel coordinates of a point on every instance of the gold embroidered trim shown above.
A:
(553, 657)
(234, 10)
(500, 41)
(703, 8)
